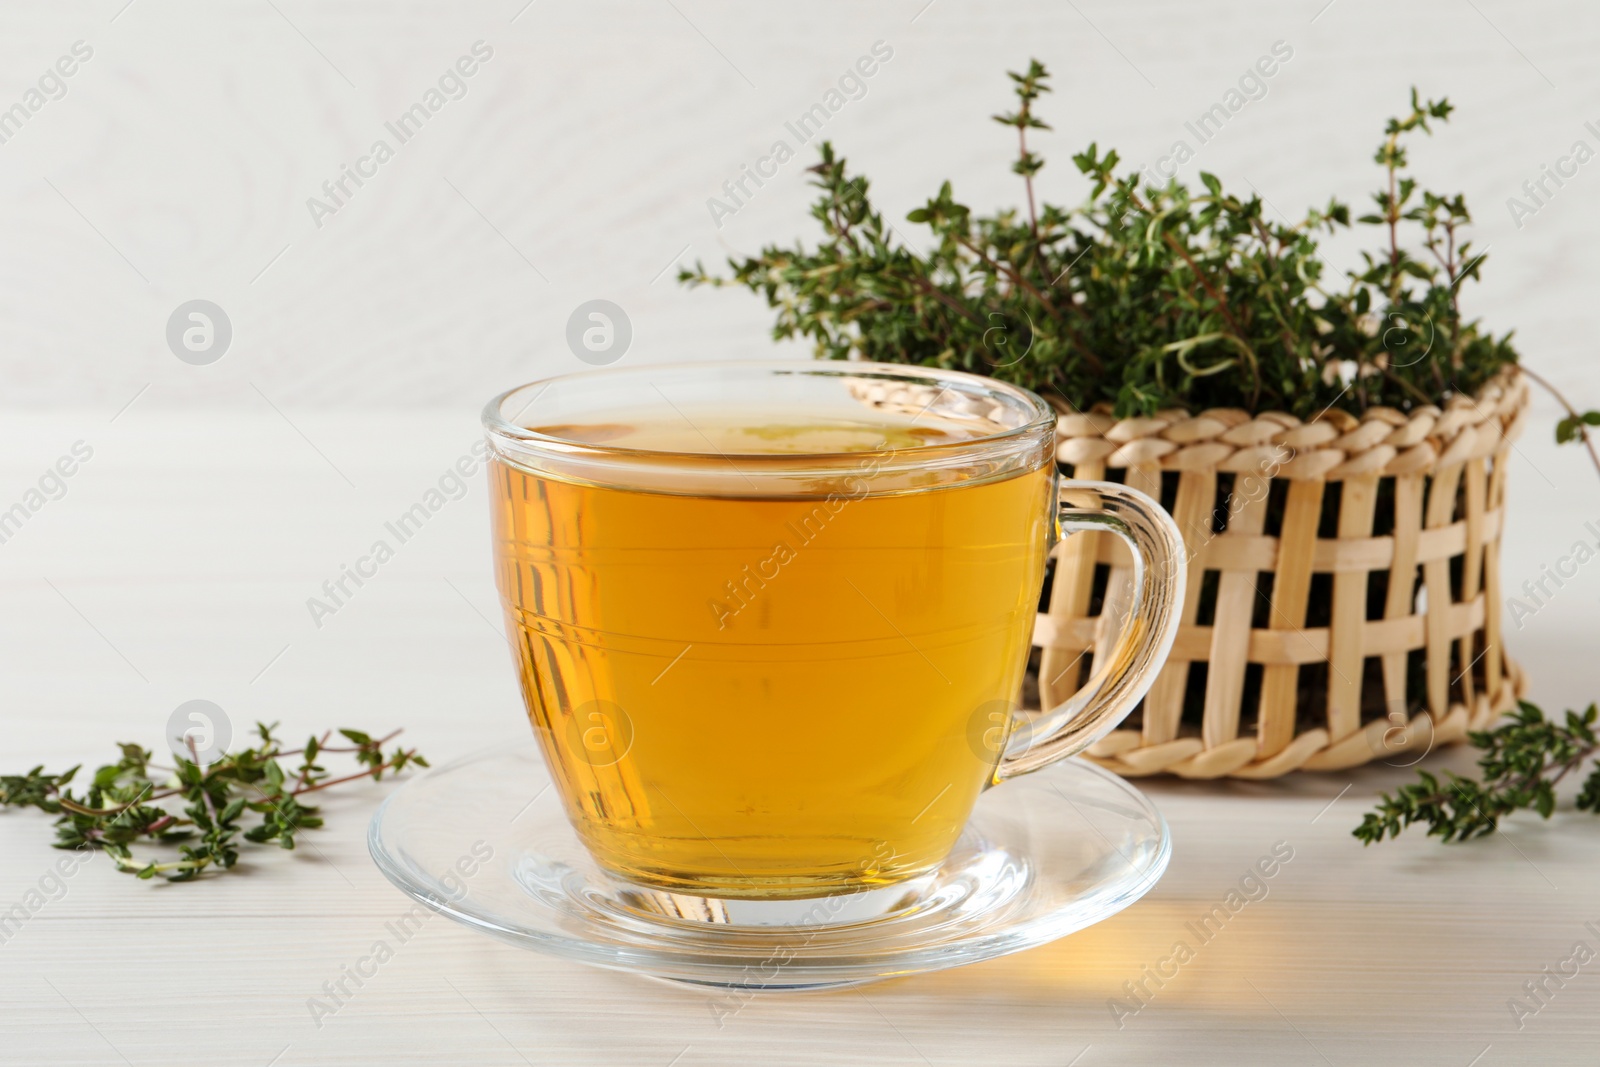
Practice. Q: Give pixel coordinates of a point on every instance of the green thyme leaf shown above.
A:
(198, 810)
(1523, 761)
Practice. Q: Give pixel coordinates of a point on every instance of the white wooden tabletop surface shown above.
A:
(178, 566)
(177, 563)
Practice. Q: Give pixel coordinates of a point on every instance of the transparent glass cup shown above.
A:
(771, 620)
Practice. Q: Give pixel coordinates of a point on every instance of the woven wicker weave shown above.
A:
(1349, 568)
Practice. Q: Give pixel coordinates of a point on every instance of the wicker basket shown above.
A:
(1343, 600)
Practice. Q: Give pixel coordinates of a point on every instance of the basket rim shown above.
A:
(1336, 444)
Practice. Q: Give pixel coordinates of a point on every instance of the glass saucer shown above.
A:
(484, 841)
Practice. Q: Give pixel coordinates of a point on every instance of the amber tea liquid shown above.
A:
(769, 696)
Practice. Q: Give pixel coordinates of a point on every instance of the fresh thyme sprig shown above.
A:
(1145, 295)
(1148, 296)
(123, 804)
(1523, 761)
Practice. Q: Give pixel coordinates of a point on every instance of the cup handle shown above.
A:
(1159, 566)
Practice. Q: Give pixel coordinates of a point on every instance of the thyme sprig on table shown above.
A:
(1523, 761)
(132, 801)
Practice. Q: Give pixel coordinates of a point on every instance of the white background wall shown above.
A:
(179, 163)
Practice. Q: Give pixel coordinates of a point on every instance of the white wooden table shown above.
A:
(578, 165)
(177, 567)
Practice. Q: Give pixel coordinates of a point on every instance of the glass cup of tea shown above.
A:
(771, 619)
